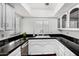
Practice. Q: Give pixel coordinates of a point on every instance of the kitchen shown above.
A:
(48, 30)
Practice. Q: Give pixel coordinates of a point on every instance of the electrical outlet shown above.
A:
(67, 32)
(2, 35)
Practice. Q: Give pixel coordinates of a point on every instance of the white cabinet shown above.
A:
(62, 50)
(16, 52)
(7, 16)
(41, 46)
(24, 49)
(18, 23)
(68, 52)
(1, 16)
(59, 49)
(50, 46)
(10, 17)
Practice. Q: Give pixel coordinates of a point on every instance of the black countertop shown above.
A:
(9, 39)
(10, 47)
(73, 46)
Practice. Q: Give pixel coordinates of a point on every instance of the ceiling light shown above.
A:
(47, 4)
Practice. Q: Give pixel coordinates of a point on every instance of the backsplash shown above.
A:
(6, 33)
(74, 34)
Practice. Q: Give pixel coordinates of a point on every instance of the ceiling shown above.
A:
(20, 10)
(41, 5)
(42, 10)
(65, 9)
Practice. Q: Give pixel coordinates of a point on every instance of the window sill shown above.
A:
(69, 29)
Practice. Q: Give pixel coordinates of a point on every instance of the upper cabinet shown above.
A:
(10, 17)
(70, 20)
(9, 22)
(74, 18)
(58, 22)
(18, 24)
(1, 16)
(64, 21)
(7, 16)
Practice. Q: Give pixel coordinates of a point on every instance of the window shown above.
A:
(45, 27)
(59, 23)
(64, 21)
(41, 27)
(74, 18)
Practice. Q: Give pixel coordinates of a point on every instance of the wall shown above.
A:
(29, 25)
(72, 33)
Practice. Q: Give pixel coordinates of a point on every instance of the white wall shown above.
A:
(72, 33)
(53, 26)
(29, 25)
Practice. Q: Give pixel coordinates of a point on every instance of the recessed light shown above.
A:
(46, 3)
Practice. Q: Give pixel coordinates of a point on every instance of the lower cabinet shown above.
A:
(62, 50)
(52, 46)
(24, 49)
(59, 48)
(41, 46)
(20, 51)
(16, 52)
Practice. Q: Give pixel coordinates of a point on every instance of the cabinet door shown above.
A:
(63, 51)
(41, 47)
(18, 23)
(1, 14)
(59, 23)
(9, 17)
(16, 52)
(59, 49)
(64, 20)
(24, 49)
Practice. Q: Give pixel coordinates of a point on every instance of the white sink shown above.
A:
(42, 37)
